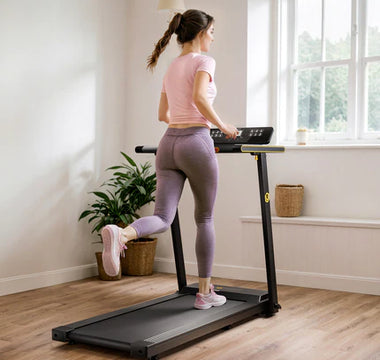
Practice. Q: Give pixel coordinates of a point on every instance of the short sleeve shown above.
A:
(207, 63)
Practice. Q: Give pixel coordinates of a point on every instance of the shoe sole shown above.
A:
(208, 306)
(109, 266)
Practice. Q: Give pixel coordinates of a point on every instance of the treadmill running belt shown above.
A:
(156, 322)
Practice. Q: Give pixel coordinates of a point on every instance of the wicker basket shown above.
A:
(288, 200)
(139, 257)
(102, 273)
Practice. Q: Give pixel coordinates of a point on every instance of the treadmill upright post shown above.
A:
(267, 232)
(178, 252)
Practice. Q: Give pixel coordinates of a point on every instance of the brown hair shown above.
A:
(187, 26)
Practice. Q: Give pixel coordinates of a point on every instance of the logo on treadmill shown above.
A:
(267, 197)
(217, 149)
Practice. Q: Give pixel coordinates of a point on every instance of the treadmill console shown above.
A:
(251, 135)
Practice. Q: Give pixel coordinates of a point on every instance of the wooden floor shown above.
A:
(312, 325)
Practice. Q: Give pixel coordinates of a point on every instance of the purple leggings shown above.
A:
(186, 153)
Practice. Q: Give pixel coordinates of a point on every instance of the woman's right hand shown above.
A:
(230, 131)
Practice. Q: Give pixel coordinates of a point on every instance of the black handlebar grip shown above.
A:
(146, 149)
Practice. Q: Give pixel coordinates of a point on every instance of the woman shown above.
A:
(185, 151)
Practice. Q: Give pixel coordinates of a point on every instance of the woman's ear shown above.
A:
(201, 33)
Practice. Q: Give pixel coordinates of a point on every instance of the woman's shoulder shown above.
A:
(193, 61)
(203, 57)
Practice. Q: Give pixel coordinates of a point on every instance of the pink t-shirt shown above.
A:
(178, 85)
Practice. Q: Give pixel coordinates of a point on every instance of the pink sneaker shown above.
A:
(113, 246)
(203, 302)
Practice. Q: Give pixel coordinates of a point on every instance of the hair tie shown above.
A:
(179, 23)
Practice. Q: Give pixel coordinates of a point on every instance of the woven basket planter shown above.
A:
(139, 257)
(288, 200)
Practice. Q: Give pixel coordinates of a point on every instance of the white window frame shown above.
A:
(287, 67)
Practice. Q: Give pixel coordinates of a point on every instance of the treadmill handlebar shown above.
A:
(146, 149)
(223, 148)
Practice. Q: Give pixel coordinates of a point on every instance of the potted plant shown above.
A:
(128, 190)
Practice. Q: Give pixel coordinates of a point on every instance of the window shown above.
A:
(329, 69)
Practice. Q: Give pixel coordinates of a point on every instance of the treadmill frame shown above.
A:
(255, 301)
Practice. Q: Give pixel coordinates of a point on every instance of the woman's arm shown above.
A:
(163, 109)
(200, 99)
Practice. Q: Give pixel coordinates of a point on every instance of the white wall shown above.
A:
(260, 54)
(62, 120)
(74, 91)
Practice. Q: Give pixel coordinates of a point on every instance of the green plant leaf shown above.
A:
(99, 226)
(124, 219)
(84, 214)
(120, 174)
(127, 183)
(93, 218)
(151, 177)
(128, 159)
(101, 195)
(115, 167)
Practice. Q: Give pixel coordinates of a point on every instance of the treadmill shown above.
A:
(158, 326)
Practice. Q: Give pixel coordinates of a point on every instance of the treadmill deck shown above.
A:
(153, 327)
(156, 322)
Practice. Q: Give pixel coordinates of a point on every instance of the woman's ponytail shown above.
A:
(187, 26)
(164, 41)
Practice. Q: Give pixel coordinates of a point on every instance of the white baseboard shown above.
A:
(15, 284)
(354, 284)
